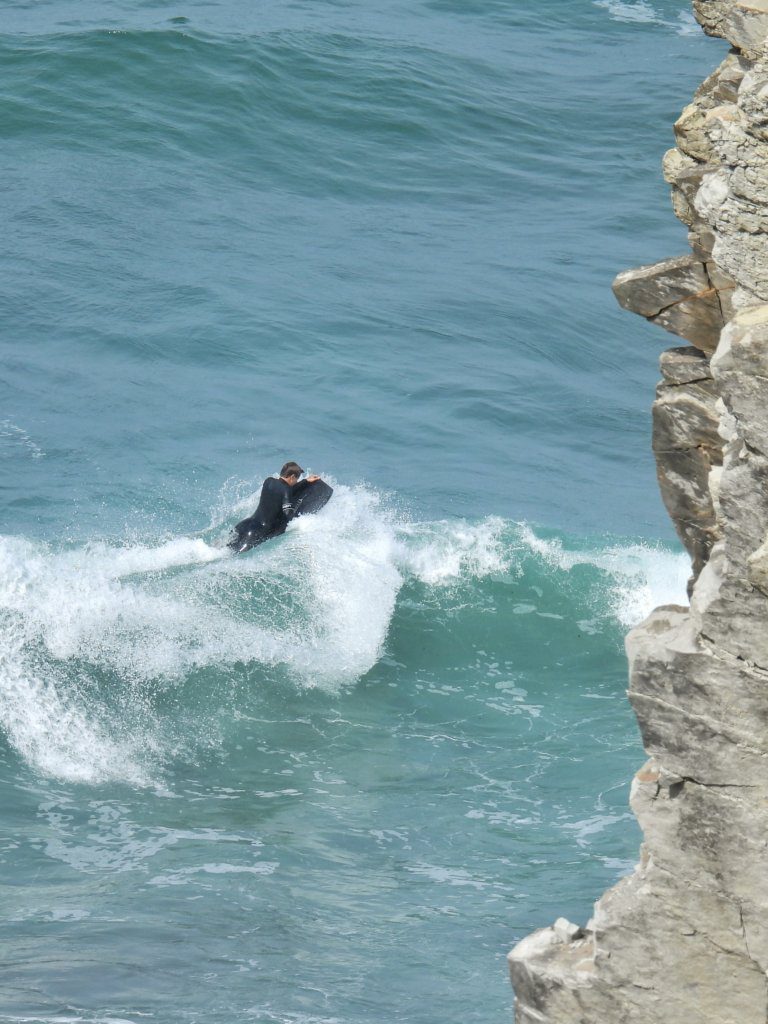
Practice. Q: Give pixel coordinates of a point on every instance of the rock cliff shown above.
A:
(685, 937)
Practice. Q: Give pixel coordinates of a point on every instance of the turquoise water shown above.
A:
(334, 780)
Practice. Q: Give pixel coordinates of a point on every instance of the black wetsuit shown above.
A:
(278, 504)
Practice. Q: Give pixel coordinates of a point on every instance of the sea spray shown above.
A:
(44, 708)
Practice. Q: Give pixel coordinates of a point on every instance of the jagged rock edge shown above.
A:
(634, 963)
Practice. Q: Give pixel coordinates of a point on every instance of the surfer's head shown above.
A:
(291, 471)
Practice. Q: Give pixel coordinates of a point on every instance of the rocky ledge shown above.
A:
(685, 937)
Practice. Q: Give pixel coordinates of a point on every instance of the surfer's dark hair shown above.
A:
(291, 469)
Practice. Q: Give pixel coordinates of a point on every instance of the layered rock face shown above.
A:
(685, 938)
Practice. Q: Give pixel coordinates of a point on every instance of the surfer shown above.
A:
(280, 501)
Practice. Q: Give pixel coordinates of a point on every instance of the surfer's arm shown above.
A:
(294, 495)
(288, 501)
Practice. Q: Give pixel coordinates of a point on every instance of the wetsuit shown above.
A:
(278, 504)
(275, 508)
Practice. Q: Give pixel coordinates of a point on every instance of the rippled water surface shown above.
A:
(334, 780)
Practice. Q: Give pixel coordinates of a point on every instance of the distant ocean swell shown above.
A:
(287, 95)
(104, 647)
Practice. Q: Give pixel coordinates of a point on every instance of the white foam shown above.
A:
(349, 583)
(88, 636)
(442, 552)
(638, 11)
(41, 710)
(687, 24)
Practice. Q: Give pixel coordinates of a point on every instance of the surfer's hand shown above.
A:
(312, 479)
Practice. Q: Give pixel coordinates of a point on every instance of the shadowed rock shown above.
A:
(678, 295)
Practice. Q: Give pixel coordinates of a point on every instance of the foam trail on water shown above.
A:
(13, 436)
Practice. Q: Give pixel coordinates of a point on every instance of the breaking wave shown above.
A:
(102, 645)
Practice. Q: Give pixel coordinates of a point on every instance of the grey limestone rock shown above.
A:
(685, 936)
(711, 13)
(722, 86)
(685, 365)
(744, 23)
(687, 446)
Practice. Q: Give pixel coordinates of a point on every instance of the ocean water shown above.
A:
(334, 780)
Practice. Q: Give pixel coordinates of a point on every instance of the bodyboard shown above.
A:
(313, 497)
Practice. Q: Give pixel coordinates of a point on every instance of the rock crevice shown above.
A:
(685, 937)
